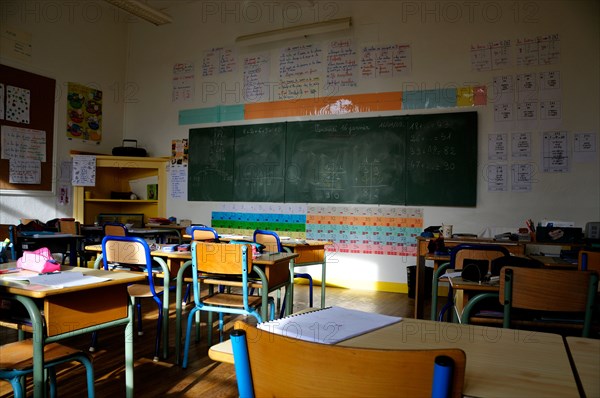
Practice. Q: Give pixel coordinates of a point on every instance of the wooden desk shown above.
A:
(555, 262)
(516, 248)
(76, 310)
(500, 362)
(273, 272)
(586, 362)
(310, 252)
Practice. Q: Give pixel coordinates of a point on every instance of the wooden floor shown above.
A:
(203, 377)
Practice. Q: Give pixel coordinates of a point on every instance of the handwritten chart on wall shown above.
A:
(401, 160)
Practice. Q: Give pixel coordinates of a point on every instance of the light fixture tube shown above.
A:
(142, 10)
(292, 32)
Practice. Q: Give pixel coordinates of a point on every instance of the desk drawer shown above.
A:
(80, 309)
(307, 254)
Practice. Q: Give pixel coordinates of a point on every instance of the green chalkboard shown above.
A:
(425, 160)
(211, 164)
(441, 159)
(259, 163)
(346, 161)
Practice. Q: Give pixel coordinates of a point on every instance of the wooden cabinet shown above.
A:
(113, 174)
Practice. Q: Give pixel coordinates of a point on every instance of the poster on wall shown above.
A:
(84, 113)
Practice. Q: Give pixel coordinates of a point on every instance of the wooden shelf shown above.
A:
(114, 173)
(136, 201)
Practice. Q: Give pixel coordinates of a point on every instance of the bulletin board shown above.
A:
(27, 105)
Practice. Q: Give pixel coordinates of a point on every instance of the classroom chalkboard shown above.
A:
(427, 160)
(346, 161)
(211, 164)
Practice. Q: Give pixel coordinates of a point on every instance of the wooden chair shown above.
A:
(459, 256)
(272, 243)
(115, 229)
(589, 260)
(204, 233)
(268, 364)
(71, 227)
(16, 362)
(556, 299)
(133, 250)
(230, 264)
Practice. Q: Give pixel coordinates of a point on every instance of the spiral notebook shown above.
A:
(328, 325)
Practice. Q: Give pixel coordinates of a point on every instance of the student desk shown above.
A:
(76, 310)
(586, 363)
(516, 248)
(500, 362)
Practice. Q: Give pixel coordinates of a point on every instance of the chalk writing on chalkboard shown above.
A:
(414, 160)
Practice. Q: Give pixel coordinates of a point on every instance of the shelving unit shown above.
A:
(113, 174)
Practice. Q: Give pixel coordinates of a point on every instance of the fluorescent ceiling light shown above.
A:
(142, 10)
(293, 32)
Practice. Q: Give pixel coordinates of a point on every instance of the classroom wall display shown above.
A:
(84, 113)
(377, 230)
(398, 160)
(27, 130)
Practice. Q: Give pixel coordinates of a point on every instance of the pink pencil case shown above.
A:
(39, 261)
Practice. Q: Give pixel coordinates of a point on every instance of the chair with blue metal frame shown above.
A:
(16, 362)
(224, 261)
(461, 256)
(203, 233)
(272, 243)
(115, 229)
(133, 250)
(268, 364)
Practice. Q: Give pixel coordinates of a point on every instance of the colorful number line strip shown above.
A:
(339, 105)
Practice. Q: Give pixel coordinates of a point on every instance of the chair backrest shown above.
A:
(69, 227)
(283, 366)
(462, 253)
(204, 233)
(115, 229)
(127, 250)
(589, 260)
(547, 289)
(222, 258)
(269, 239)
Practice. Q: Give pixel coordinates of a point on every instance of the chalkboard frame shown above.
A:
(444, 145)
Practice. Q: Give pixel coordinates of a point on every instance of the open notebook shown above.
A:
(328, 325)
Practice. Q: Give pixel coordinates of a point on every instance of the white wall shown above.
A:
(82, 42)
(440, 34)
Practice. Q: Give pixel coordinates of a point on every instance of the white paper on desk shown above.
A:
(328, 325)
(65, 279)
(451, 274)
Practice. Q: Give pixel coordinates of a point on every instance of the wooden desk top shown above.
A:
(586, 356)
(39, 291)
(500, 362)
